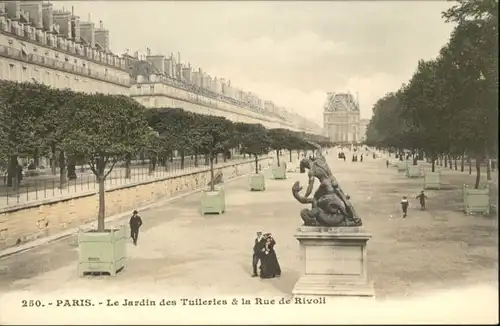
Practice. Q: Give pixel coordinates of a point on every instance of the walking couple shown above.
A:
(263, 251)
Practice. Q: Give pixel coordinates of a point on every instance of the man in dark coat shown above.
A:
(257, 252)
(135, 224)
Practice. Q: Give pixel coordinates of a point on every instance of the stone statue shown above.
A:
(329, 205)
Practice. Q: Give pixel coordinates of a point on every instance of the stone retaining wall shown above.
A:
(34, 220)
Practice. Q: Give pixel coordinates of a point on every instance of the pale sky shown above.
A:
(292, 53)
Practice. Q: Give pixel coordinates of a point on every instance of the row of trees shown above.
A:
(449, 108)
(102, 130)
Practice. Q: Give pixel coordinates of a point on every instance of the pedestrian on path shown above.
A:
(422, 197)
(258, 248)
(404, 206)
(135, 224)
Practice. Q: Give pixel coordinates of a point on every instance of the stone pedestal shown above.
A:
(334, 262)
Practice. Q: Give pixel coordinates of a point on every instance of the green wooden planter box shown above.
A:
(102, 252)
(477, 200)
(213, 202)
(257, 182)
(401, 166)
(279, 172)
(414, 171)
(432, 180)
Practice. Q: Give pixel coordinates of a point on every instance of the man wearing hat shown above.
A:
(135, 224)
(257, 251)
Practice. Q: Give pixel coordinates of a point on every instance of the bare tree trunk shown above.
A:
(62, 170)
(36, 157)
(212, 186)
(53, 163)
(433, 165)
(462, 161)
(446, 161)
(469, 160)
(456, 166)
(152, 164)
(13, 172)
(100, 165)
(128, 170)
(488, 167)
(256, 164)
(478, 171)
(278, 156)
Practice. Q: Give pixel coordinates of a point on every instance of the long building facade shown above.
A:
(341, 118)
(53, 47)
(39, 43)
(162, 81)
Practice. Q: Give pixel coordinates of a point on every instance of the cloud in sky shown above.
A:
(292, 53)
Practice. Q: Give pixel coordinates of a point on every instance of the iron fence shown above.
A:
(48, 185)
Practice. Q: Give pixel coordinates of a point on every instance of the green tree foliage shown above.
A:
(254, 140)
(104, 129)
(212, 135)
(278, 138)
(450, 106)
(21, 109)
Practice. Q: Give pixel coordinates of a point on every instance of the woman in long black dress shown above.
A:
(269, 265)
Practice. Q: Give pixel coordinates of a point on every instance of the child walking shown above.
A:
(404, 206)
(422, 197)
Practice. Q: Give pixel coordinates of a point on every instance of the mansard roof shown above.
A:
(338, 102)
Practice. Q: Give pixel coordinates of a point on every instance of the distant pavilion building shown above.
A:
(341, 118)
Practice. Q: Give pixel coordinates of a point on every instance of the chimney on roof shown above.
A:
(101, 26)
